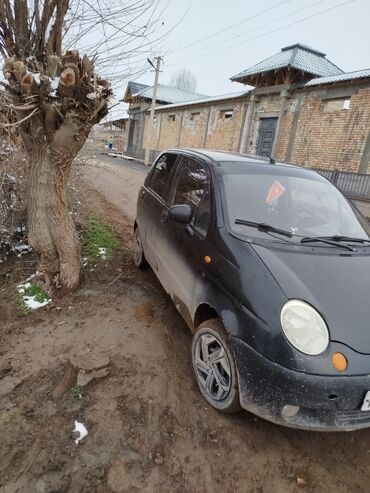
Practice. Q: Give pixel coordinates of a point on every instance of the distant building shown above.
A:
(113, 131)
(139, 97)
(302, 109)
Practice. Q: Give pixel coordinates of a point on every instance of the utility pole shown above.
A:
(151, 117)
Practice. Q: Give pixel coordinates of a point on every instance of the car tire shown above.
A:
(139, 256)
(209, 339)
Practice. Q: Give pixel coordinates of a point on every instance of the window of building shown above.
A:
(226, 114)
(172, 118)
(337, 104)
(195, 116)
(160, 178)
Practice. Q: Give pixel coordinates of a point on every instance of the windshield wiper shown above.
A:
(264, 227)
(345, 238)
(309, 239)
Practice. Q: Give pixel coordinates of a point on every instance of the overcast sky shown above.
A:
(216, 39)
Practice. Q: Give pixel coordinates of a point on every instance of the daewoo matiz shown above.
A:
(269, 265)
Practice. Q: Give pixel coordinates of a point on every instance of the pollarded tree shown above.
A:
(56, 98)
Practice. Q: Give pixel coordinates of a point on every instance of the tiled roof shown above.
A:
(169, 94)
(296, 56)
(210, 99)
(358, 74)
(136, 87)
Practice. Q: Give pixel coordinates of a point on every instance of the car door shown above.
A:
(180, 249)
(152, 200)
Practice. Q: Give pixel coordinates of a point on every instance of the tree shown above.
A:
(55, 98)
(185, 80)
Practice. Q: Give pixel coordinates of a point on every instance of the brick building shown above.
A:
(302, 109)
(139, 97)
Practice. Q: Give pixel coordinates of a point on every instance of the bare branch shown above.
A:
(19, 122)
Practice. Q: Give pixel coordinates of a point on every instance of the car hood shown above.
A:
(338, 286)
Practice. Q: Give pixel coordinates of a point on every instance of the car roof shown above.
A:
(232, 162)
(219, 156)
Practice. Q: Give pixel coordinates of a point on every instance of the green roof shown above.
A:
(297, 56)
(168, 94)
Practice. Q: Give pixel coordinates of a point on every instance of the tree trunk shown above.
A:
(52, 233)
(53, 131)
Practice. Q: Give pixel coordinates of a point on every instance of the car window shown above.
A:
(305, 205)
(160, 177)
(193, 188)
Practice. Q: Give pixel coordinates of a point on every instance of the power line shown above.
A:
(264, 34)
(259, 27)
(246, 19)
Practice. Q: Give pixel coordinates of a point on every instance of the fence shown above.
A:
(354, 185)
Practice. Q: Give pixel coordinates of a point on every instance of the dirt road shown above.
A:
(261, 455)
(117, 179)
(149, 428)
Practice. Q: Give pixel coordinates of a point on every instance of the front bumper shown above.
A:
(326, 403)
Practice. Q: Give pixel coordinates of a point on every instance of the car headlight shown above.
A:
(304, 327)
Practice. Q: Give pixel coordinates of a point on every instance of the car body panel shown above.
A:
(325, 403)
(322, 280)
(246, 282)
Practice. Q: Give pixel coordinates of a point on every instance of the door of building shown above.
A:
(266, 136)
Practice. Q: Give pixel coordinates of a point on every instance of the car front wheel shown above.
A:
(214, 366)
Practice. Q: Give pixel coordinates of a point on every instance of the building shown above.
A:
(139, 97)
(302, 108)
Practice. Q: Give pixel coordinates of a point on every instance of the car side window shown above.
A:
(160, 177)
(193, 188)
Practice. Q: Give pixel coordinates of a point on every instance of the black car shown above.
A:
(269, 265)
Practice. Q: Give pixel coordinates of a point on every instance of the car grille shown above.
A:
(345, 418)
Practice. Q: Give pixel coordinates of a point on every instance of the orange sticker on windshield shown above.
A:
(276, 190)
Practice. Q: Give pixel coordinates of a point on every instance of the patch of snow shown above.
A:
(92, 95)
(37, 77)
(54, 83)
(120, 154)
(30, 301)
(33, 304)
(103, 253)
(81, 429)
(97, 93)
(22, 249)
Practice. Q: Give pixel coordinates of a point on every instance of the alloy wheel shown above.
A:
(138, 248)
(212, 367)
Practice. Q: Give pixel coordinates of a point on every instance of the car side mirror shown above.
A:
(181, 213)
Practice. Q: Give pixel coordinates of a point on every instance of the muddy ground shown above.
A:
(149, 428)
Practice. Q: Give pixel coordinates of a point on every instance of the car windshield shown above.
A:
(303, 204)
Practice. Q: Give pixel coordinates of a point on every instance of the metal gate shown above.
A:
(266, 136)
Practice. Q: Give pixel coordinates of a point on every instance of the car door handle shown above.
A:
(163, 217)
